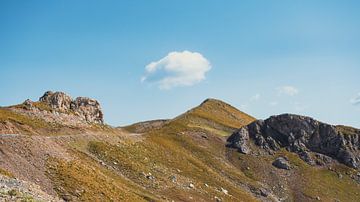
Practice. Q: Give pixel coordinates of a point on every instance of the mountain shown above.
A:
(60, 149)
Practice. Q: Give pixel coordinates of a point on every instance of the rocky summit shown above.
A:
(86, 108)
(313, 141)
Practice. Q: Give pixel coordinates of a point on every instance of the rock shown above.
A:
(150, 177)
(28, 104)
(206, 185)
(89, 109)
(264, 192)
(173, 178)
(224, 191)
(86, 108)
(281, 163)
(217, 199)
(240, 141)
(305, 156)
(192, 186)
(322, 160)
(58, 100)
(66, 197)
(302, 135)
(318, 198)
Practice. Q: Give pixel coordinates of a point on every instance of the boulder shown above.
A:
(281, 163)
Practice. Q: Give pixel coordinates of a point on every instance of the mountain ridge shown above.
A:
(181, 159)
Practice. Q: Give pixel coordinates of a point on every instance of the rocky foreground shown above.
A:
(60, 149)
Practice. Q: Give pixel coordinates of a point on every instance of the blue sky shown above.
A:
(264, 57)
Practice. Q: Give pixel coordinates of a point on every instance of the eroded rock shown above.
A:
(58, 100)
(89, 109)
(86, 108)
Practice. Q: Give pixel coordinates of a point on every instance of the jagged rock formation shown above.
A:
(86, 108)
(57, 100)
(314, 141)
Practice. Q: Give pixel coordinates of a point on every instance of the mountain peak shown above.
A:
(211, 100)
(215, 115)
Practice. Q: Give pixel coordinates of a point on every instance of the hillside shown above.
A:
(62, 146)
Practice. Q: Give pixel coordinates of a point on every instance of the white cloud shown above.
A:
(177, 69)
(355, 100)
(273, 104)
(287, 90)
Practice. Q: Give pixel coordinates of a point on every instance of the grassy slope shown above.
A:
(185, 152)
(146, 126)
(23, 123)
(215, 116)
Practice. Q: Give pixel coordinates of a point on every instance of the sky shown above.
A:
(145, 60)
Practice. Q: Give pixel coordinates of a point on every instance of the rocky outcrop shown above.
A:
(57, 100)
(314, 141)
(281, 163)
(86, 108)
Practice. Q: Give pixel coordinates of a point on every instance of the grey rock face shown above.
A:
(281, 163)
(57, 100)
(240, 141)
(302, 135)
(86, 108)
(28, 104)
